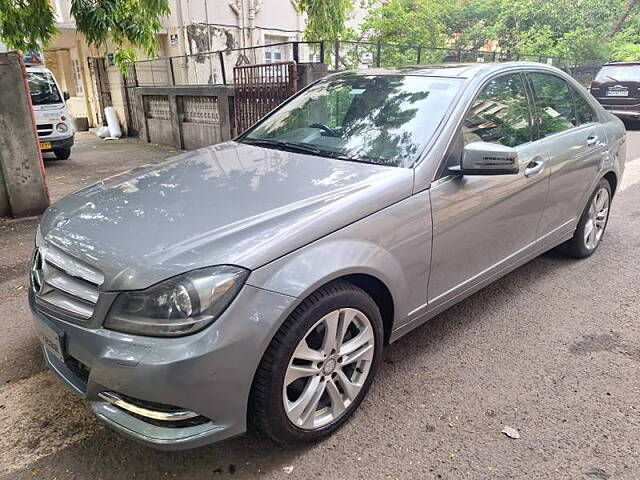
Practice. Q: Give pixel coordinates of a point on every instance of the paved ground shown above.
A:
(552, 350)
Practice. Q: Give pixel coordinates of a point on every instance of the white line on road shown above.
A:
(631, 176)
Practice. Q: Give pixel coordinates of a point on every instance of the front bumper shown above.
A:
(57, 142)
(209, 372)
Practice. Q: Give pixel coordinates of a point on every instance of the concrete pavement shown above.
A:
(552, 350)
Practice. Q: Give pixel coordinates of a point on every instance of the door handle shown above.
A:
(592, 140)
(533, 168)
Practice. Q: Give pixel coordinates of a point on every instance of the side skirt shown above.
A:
(430, 313)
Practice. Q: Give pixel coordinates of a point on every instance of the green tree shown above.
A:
(471, 24)
(580, 30)
(407, 22)
(326, 19)
(129, 24)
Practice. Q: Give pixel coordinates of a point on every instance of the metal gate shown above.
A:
(130, 79)
(261, 88)
(98, 72)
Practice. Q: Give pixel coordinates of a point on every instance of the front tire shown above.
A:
(318, 367)
(592, 224)
(62, 153)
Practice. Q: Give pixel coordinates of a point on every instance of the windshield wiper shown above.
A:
(358, 159)
(283, 145)
(609, 76)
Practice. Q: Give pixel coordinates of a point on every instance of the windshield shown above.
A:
(43, 89)
(619, 73)
(376, 119)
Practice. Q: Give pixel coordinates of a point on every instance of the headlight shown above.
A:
(62, 128)
(178, 306)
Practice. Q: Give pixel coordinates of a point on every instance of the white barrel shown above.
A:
(112, 122)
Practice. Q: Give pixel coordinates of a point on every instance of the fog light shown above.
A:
(153, 411)
(62, 128)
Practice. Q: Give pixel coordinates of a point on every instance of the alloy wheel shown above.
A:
(597, 219)
(328, 368)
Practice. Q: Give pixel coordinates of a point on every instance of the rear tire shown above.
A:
(62, 153)
(308, 383)
(592, 224)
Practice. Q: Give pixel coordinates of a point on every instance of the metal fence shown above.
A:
(216, 68)
(362, 54)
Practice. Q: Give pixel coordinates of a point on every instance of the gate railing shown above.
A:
(261, 88)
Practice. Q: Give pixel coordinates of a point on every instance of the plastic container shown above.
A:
(112, 122)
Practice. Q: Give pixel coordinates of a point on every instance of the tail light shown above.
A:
(589, 86)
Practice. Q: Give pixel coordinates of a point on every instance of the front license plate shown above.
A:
(45, 145)
(52, 340)
(618, 93)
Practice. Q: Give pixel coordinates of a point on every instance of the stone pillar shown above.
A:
(23, 188)
(310, 72)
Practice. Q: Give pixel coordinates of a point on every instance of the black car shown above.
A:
(617, 88)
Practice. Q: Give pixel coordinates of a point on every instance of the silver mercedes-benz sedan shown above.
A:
(253, 284)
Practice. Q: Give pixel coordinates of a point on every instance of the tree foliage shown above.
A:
(326, 19)
(129, 24)
(579, 30)
(26, 24)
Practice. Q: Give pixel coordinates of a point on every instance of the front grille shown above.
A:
(45, 129)
(79, 369)
(65, 283)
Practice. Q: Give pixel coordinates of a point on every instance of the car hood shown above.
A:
(227, 204)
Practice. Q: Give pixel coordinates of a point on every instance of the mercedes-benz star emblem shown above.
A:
(37, 282)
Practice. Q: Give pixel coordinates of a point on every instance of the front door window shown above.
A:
(500, 114)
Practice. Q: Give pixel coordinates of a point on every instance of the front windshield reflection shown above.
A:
(382, 119)
(43, 89)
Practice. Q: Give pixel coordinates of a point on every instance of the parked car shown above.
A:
(617, 87)
(53, 122)
(254, 283)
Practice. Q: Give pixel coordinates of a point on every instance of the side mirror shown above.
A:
(483, 158)
(66, 96)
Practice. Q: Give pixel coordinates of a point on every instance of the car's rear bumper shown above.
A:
(56, 142)
(208, 373)
(624, 112)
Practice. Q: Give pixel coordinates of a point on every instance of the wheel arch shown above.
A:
(379, 293)
(361, 263)
(612, 178)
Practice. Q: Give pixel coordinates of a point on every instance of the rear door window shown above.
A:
(584, 112)
(553, 102)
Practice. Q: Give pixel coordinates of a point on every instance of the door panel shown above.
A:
(574, 159)
(482, 224)
(576, 146)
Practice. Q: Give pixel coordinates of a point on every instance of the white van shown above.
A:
(55, 130)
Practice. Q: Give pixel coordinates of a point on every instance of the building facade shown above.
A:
(193, 27)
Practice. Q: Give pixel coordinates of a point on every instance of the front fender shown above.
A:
(303, 272)
(392, 245)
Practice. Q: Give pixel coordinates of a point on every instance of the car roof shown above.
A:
(620, 64)
(37, 68)
(453, 70)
